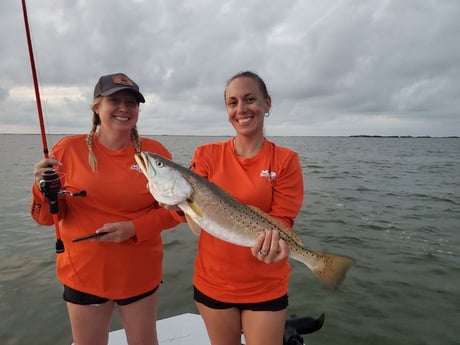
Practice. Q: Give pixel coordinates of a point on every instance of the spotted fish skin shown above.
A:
(208, 207)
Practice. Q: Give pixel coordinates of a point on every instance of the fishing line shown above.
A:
(50, 177)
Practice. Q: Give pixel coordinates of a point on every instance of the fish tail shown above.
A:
(332, 270)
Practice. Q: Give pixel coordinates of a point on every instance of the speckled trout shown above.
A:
(208, 207)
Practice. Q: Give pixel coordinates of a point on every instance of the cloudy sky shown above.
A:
(332, 67)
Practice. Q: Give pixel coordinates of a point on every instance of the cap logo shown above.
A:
(122, 80)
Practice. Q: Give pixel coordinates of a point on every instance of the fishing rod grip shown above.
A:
(59, 246)
(50, 186)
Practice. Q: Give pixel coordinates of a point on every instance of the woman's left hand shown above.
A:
(117, 232)
(270, 248)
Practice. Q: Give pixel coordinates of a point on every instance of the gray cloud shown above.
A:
(332, 67)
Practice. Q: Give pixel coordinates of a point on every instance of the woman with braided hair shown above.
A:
(123, 265)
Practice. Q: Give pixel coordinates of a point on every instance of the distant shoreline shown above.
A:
(331, 136)
(396, 136)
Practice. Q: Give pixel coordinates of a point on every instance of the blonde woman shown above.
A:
(123, 266)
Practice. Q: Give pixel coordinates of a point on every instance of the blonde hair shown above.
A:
(92, 159)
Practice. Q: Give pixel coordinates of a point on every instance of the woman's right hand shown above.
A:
(42, 166)
(269, 247)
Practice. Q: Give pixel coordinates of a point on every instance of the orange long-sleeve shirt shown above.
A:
(271, 181)
(115, 192)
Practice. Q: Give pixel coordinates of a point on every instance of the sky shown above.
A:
(332, 68)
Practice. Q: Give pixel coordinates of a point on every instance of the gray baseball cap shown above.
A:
(111, 83)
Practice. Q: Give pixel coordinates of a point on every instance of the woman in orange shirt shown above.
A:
(237, 289)
(123, 266)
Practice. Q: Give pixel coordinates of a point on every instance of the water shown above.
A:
(391, 203)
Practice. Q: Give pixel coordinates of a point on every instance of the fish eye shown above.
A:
(159, 164)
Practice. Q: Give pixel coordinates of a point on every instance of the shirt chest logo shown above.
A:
(270, 175)
(135, 167)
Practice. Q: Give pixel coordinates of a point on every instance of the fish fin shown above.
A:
(195, 208)
(332, 270)
(196, 229)
(283, 227)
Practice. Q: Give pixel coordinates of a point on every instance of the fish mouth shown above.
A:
(143, 162)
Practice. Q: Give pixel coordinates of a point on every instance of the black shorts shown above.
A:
(276, 304)
(82, 298)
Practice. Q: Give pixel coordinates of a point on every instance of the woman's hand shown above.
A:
(42, 166)
(270, 248)
(116, 232)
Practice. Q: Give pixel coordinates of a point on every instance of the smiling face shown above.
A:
(246, 105)
(118, 111)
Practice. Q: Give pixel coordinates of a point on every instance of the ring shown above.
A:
(261, 252)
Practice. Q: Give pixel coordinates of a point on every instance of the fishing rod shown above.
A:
(50, 184)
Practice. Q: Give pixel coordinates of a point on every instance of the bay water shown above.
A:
(393, 204)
